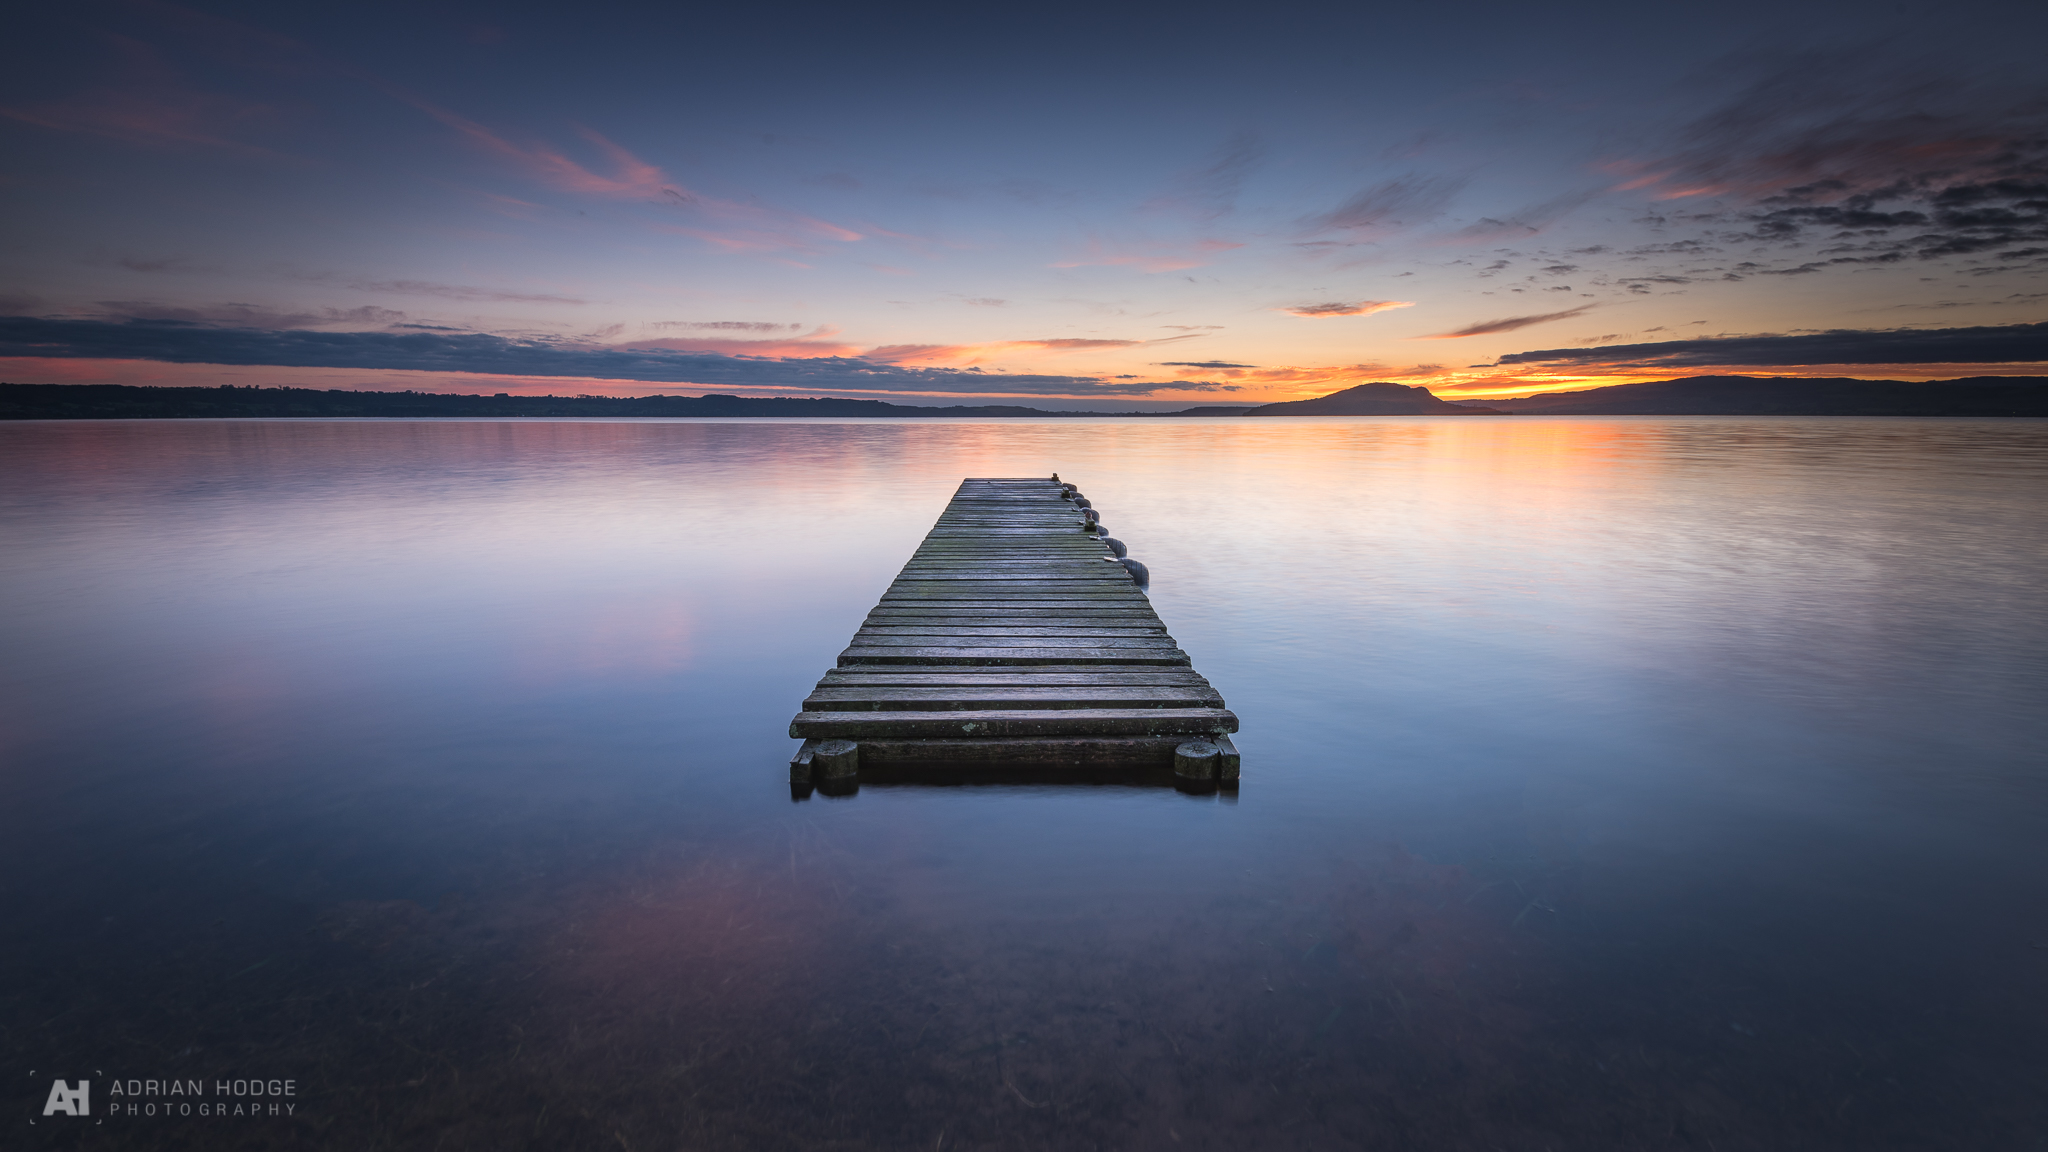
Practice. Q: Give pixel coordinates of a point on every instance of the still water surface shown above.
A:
(1608, 783)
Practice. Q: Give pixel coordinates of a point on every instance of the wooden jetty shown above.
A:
(1014, 636)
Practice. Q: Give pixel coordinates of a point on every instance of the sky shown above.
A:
(1074, 206)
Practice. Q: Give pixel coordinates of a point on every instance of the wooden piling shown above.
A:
(1196, 760)
(836, 759)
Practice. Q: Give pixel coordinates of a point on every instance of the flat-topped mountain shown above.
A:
(1377, 399)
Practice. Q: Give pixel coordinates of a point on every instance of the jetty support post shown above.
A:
(1227, 761)
(1197, 760)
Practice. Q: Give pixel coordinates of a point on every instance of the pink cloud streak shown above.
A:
(755, 227)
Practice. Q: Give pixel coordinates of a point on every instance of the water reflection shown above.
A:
(1613, 783)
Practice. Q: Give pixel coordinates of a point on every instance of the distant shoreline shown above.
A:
(131, 402)
(1691, 396)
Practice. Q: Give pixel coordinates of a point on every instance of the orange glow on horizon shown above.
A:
(1257, 385)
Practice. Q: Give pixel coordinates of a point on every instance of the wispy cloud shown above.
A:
(1521, 225)
(230, 314)
(1883, 162)
(1302, 381)
(819, 342)
(630, 178)
(150, 103)
(726, 325)
(1845, 119)
(734, 226)
(462, 292)
(165, 264)
(1340, 308)
(1403, 202)
(981, 353)
(1507, 324)
(1211, 190)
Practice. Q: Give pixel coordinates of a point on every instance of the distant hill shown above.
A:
(1378, 399)
(1796, 396)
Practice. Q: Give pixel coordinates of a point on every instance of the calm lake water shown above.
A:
(1626, 783)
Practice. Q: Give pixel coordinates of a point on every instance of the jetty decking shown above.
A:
(1014, 636)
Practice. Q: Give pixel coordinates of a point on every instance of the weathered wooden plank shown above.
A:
(1026, 753)
(1020, 630)
(962, 560)
(1078, 597)
(1052, 570)
(1015, 608)
(1032, 637)
(956, 698)
(1020, 722)
(1106, 582)
(1045, 669)
(1062, 621)
(1124, 600)
(1086, 570)
(928, 639)
(933, 628)
(970, 614)
(947, 654)
(965, 605)
(1094, 603)
(1069, 590)
(920, 609)
(866, 639)
(1023, 578)
(1091, 569)
(981, 676)
(1009, 589)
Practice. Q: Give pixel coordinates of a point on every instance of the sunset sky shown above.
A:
(1109, 206)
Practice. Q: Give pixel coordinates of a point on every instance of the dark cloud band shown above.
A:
(2004, 344)
(185, 343)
